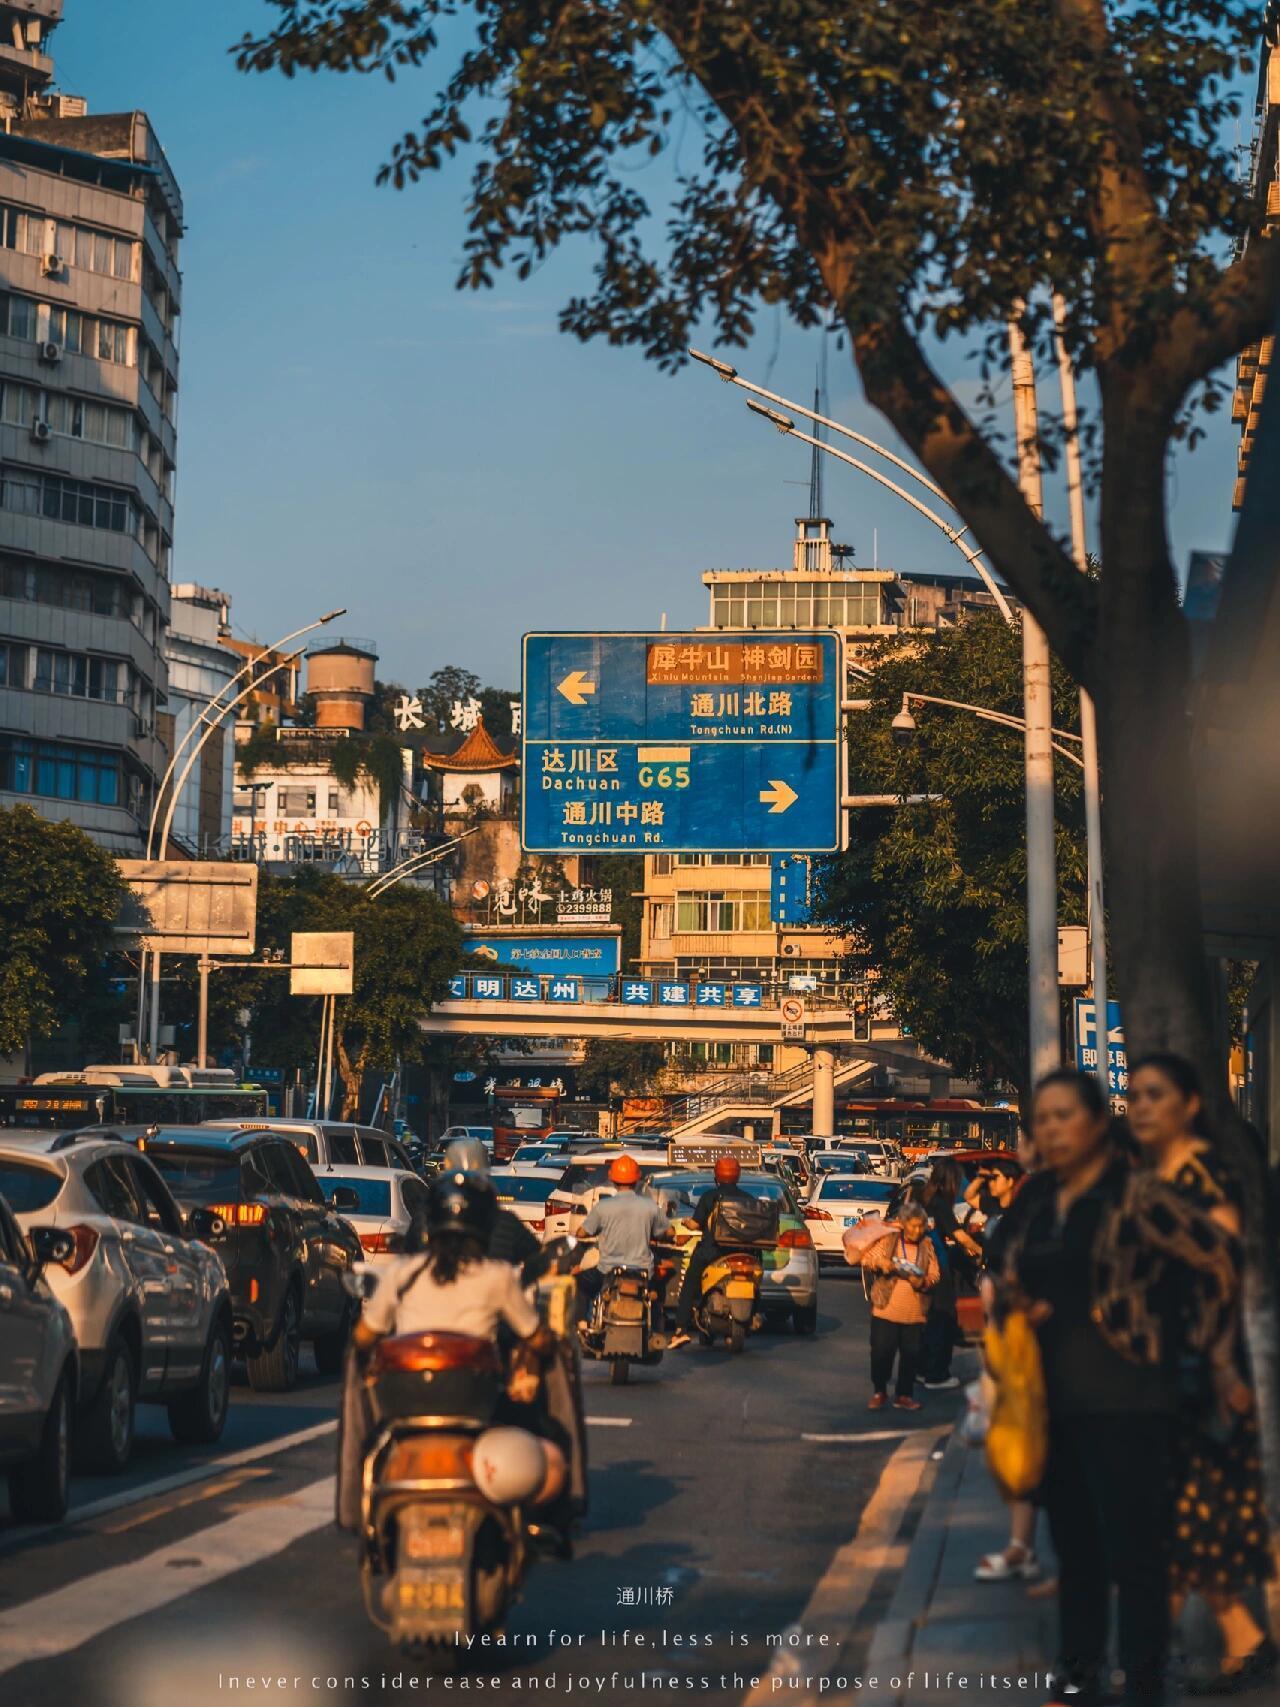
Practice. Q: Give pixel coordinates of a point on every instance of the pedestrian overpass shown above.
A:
(822, 1024)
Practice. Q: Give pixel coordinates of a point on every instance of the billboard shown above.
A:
(591, 955)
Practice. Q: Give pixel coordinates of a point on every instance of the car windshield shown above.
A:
(199, 1176)
(839, 1161)
(25, 1188)
(374, 1194)
(692, 1186)
(522, 1188)
(856, 1190)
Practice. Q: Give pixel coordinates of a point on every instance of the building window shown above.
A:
(296, 802)
(78, 245)
(333, 802)
(80, 334)
(798, 604)
(59, 772)
(722, 859)
(660, 919)
(18, 317)
(723, 910)
(13, 666)
(61, 500)
(73, 417)
(70, 589)
(79, 676)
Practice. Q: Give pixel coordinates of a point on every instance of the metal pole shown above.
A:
(824, 1093)
(204, 966)
(1088, 718)
(153, 1054)
(324, 1015)
(1042, 882)
(140, 1025)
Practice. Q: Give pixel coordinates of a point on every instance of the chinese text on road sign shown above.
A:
(688, 743)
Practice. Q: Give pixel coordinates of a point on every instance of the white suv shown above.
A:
(331, 1143)
(38, 1373)
(148, 1302)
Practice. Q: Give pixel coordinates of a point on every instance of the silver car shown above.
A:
(38, 1373)
(148, 1302)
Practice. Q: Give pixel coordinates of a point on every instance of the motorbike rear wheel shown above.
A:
(737, 1336)
(619, 1371)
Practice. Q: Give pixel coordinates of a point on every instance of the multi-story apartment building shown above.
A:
(90, 222)
(200, 666)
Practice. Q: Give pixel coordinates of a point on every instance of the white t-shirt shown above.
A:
(484, 1294)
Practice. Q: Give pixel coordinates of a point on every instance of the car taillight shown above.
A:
(795, 1239)
(816, 1215)
(537, 1226)
(741, 1262)
(414, 1353)
(86, 1244)
(559, 1206)
(381, 1244)
(240, 1214)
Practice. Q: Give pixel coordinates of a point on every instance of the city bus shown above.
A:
(128, 1096)
(945, 1123)
(522, 1116)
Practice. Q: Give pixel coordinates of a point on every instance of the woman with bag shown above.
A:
(905, 1269)
(1100, 1254)
(1221, 1543)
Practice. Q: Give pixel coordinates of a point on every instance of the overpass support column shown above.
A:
(824, 1093)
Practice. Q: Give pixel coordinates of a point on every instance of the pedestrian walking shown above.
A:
(942, 1191)
(905, 1266)
(1221, 1543)
(1100, 1252)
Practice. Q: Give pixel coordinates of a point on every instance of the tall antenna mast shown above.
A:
(819, 408)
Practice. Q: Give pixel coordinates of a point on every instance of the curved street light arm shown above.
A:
(415, 862)
(972, 558)
(244, 670)
(999, 717)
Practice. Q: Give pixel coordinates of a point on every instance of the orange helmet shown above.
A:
(728, 1170)
(625, 1171)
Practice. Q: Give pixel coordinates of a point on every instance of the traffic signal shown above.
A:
(862, 1020)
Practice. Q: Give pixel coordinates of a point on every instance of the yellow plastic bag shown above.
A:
(1018, 1435)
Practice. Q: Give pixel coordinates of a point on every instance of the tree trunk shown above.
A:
(1154, 913)
(352, 1073)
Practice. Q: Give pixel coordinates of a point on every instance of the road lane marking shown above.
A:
(169, 1484)
(68, 1617)
(608, 1422)
(857, 1439)
(842, 1590)
(209, 1491)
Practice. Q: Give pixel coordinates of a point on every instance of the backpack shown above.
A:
(745, 1222)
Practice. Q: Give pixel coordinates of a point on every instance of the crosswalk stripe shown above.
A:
(857, 1439)
(68, 1617)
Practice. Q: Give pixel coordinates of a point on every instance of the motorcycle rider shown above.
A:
(511, 1241)
(624, 1227)
(728, 1171)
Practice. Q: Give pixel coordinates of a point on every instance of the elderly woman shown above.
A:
(905, 1266)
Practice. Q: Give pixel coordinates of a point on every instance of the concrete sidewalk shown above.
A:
(947, 1639)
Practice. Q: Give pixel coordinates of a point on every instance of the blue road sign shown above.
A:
(790, 889)
(684, 743)
(1087, 1044)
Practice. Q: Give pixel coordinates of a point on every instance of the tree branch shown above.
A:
(1239, 310)
(901, 383)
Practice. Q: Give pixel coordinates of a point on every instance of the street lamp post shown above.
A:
(208, 724)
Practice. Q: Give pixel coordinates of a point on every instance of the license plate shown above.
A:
(740, 1289)
(430, 1537)
(431, 1591)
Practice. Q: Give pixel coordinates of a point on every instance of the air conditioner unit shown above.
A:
(48, 351)
(41, 431)
(791, 948)
(52, 266)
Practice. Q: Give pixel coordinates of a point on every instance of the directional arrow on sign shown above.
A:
(576, 687)
(778, 796)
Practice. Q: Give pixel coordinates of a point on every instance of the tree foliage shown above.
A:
(628, 1069)
(934, 895)
(59, 897)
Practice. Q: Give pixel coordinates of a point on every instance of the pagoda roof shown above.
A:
(478, 752)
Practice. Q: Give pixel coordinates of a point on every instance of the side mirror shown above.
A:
(201, 1223)
(344, 1199)
(50, 1245)
(360, 1282)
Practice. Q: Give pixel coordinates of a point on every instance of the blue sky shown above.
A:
(353, 431)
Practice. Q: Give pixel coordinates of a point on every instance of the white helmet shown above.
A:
(509, 1465)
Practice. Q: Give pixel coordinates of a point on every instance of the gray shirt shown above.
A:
(626, 1223)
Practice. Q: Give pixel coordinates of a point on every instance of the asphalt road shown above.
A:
(713, 1521)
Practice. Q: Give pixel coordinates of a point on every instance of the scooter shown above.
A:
(627, 1320)
(729, 1306)
(448, 1497)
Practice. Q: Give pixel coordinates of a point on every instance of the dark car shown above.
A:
(250, 1195)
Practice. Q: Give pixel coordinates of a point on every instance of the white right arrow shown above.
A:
(778, 796)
